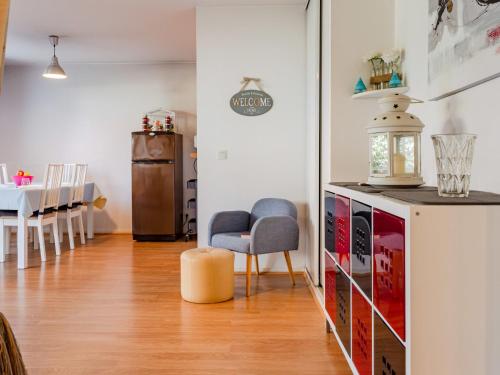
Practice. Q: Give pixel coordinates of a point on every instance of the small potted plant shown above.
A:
(375, 59)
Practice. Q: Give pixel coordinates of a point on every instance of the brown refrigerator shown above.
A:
(157, 186)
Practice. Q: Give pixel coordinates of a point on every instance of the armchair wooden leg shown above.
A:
(257, 264)
(249, 273)
(289, 265)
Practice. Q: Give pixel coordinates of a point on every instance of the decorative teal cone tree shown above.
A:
(395, 81)
(360, 87)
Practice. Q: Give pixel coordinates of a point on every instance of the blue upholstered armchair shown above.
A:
(270, 227)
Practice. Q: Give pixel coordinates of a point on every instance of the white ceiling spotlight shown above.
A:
(54, 70)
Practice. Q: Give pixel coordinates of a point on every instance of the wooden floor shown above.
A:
(113, 307)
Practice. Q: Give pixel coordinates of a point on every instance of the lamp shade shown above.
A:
(54, 70)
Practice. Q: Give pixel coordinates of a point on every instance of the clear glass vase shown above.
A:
(454, 153)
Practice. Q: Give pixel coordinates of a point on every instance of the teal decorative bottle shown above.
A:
(360, 87)
(395, 81)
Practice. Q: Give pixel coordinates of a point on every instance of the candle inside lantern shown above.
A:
(399, 164)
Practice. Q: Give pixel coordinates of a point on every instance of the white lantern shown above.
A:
(395, 144)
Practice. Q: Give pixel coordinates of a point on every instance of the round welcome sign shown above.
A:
(251, 102)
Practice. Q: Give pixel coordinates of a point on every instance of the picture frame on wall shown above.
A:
(464, 45)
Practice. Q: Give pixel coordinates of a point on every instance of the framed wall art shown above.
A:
(464, 45)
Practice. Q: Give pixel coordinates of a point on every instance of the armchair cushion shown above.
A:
(227, 222)
(272, 234)
(272, 207)
(231, 241)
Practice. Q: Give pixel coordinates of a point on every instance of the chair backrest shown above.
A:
(78, 185)
(4, 176)
(68, 174)
(272, 207)
(51, 187)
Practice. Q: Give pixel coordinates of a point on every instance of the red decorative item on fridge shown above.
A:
(389, 269)
(342, 251)
(145, 123)
(168, 123)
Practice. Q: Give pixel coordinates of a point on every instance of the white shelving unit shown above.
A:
(412, 289)
(377, 94)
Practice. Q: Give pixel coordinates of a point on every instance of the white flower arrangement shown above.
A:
(392, 58)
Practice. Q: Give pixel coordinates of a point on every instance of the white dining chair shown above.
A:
(68, 173)
(67, 180)
(4, 176)
(46, 214)
(4, 179)
(74, 208)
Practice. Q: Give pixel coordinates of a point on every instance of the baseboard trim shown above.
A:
(317, 293)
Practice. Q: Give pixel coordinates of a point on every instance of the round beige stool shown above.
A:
(207, 275)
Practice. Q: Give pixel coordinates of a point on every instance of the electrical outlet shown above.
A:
(222, 155)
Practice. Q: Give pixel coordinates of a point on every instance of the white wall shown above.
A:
(472, 111)
(326, 91)
(349, 32)
(313, 22)
(266, 154)
(356, 31)
(88, 118)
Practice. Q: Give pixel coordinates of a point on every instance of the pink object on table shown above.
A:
(18, 180)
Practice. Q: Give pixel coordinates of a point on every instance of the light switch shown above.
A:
(222, 155)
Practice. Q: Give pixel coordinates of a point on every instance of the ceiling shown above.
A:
(109, 31)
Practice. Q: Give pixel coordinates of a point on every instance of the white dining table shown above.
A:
(26, 199)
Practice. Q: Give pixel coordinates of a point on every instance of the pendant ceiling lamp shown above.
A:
(54, 70)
